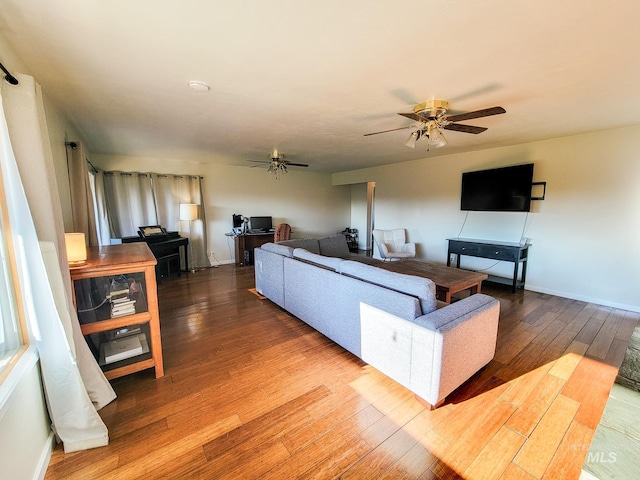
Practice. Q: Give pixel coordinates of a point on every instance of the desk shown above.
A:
(507, 251)
(245, 244)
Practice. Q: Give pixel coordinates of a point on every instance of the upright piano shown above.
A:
(165, 247)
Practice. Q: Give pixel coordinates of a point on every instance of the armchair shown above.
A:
(392, 244)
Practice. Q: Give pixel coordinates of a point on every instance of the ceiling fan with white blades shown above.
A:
(432, 118)
(277, 165)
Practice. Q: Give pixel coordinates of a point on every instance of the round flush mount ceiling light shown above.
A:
(199, 86)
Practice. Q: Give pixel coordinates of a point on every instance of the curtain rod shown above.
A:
(8, 77)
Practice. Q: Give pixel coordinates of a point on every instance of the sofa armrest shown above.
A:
(435, 353)
(451, 344)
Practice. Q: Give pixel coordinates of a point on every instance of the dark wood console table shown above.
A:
(245, 244)
(507, 251)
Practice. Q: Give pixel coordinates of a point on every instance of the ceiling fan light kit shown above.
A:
(432, 119)
(413, 138)
(277, 165)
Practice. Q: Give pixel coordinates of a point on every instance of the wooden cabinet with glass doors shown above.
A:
(116, 300)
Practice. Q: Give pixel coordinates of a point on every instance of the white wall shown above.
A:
(359, 212)
(585, 234)
(25, 437)
(307, 201)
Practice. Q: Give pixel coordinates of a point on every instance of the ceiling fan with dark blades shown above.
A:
(432, 118)
(277, 165)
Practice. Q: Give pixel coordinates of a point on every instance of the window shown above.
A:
(12, 328)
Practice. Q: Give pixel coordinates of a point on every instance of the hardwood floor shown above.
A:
(251, 392)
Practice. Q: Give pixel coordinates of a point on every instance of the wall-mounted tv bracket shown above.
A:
(544, 190)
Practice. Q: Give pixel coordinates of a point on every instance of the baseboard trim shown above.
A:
(582, 298)
(45, 457)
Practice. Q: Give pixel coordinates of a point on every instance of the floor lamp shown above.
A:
(189, 211)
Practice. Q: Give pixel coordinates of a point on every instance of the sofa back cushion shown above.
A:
(419, 287)
(278, 248)
(309, 244)
(327, 262)
(334, 246)
(331, 303)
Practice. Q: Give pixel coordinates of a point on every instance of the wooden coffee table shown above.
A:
(448, 280)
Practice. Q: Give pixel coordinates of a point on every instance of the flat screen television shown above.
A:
(263, 224)
(506, 189)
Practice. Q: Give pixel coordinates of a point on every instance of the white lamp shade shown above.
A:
(413, 138)
(188, 211)
(436, 137)
(76, 247)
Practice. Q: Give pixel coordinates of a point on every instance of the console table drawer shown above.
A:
(497, 253)
(464, 248)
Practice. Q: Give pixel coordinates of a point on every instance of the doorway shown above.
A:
(362, 214)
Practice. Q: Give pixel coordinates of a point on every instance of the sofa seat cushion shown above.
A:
(400, 254)
(419, 287)
(331, 263)
(334, 246)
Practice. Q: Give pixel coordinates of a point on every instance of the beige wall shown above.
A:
(359, 212)
(25, 436)
(585, 233)
(307, 201)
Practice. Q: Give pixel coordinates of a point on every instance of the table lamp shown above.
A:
(76, 248)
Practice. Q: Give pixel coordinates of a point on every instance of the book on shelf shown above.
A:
(123, 308)
(121, 349)
(123, 304)
(122, 313)
(124, 292)
(122, 300)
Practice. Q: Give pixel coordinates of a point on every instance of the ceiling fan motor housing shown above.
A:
(431, 110)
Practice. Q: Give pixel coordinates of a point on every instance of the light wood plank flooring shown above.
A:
(251, 392)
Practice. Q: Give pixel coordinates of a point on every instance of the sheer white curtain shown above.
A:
(74, 384)
(170, 192)
(130, 202)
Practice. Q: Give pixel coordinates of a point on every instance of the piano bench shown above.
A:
(166, 260)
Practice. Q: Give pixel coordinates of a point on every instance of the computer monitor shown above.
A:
(237, 221)
(263, 224)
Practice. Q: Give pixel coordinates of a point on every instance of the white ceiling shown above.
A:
(310, 78)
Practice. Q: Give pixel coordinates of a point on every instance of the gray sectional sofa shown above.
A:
(389, 320)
